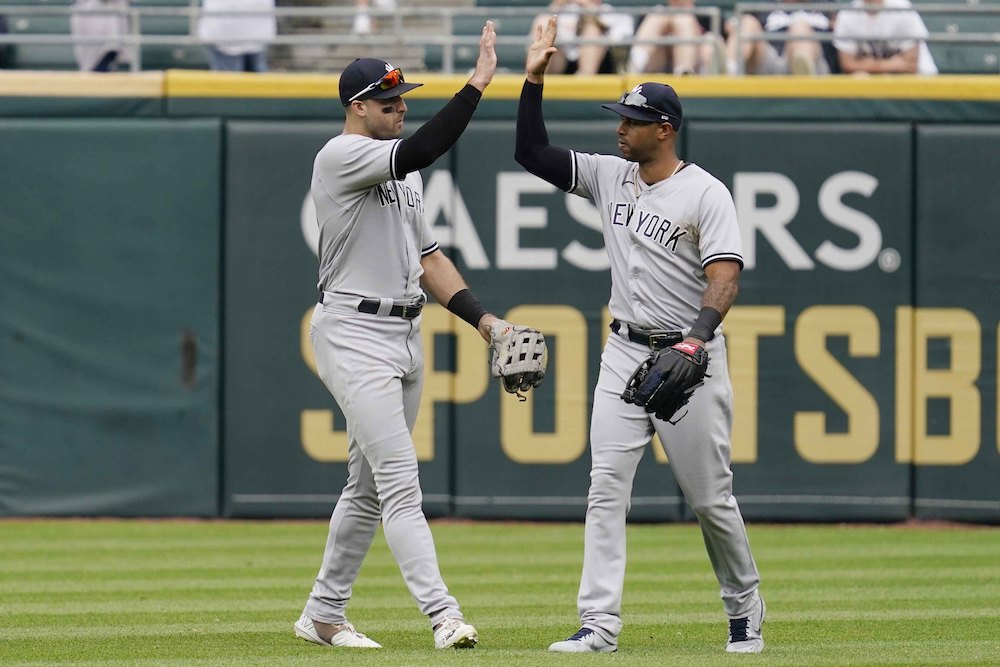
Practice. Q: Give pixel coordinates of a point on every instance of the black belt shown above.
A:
(370, 306)
(655, 340)
(407, 312)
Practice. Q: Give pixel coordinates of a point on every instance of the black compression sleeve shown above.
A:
(464, 304)
(437, 135)
(533, 151)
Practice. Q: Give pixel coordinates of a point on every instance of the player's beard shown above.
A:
(631, 153)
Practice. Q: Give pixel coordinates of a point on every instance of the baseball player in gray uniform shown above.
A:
(671, 234)
(377, 252)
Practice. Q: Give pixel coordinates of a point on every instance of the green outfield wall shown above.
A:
(158, 269)
(109, 316)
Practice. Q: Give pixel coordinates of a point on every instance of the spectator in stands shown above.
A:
(572, 25)
(803, 57)
(106, 19)
(883, 42)
(688, 58)
(237, 43)
(363, 24)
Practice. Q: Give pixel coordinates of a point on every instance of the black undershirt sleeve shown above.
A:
(437, 135)
(533, 150)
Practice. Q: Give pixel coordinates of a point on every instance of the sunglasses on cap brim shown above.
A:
(391, 79)
(634, 99)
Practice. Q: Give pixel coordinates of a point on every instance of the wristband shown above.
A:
(704, 327)
(465, 304)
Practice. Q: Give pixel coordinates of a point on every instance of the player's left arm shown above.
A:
(666, 380)
(723, 286)
(435, 137)
(722, 260)
(444, 282)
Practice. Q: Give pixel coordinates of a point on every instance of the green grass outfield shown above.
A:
(217, 592)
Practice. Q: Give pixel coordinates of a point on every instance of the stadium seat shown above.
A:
(964, 58)
(163, 56)
(510, 54)
(36, 3)
(60, 56)
(170, 56)
(40, 56)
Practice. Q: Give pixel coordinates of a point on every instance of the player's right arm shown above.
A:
(437, 135)
(533, 150)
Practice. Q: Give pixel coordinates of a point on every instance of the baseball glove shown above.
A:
(518, 356)
(665, 381)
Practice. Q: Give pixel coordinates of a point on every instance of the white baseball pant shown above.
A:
(698, 448)
(373, 366)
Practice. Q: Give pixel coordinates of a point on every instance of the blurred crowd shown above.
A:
(797, 40)
(593, 37)
(236, 34)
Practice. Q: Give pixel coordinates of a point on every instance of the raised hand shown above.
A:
(486, 65)
(541, 50)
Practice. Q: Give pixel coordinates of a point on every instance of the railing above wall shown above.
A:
(447, 37)
(452, 34)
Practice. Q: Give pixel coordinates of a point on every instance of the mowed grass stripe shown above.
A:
(188, 593)
(637, 611)
(869, 622)
(168, 564)
(167, 578)
(111, 561)
(918, 596)
(639, 644)
(662, 550)
(849, 598)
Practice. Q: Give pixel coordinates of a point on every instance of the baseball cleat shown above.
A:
(346, 636)
(453, 632)
(744, 633)
(584, 641)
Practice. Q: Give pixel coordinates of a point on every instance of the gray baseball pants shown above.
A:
(373, 366)
(698, 448)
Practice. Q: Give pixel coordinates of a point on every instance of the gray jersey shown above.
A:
(372, 231)
(659, 237)
(372, 236)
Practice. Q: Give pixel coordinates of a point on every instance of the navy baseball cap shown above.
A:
(650, 101)
(372, 79)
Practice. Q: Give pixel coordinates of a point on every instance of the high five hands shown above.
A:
(541, 50)
(486, 65)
